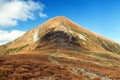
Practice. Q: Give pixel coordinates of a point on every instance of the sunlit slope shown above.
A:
(60, 31)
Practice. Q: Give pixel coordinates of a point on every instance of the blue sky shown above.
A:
(100, 16)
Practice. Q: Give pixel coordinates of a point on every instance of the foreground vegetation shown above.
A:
(55, 66)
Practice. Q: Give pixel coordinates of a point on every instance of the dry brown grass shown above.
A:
(32, 67)
(102, 66)
(38, 66)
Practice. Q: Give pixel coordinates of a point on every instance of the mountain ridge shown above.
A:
(67, 27)
(60, 49)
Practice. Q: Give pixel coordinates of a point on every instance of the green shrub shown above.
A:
(112, 47)
(15, 49)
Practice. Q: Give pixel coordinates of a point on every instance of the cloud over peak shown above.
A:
(12, 11)
(6, 36)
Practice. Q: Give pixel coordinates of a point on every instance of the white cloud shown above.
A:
(43, 15)
(7, 36)
(12, 11)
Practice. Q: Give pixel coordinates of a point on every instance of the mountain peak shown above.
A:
(60, 44)
(60, 32)
(57, 31)
(60, 17)
(57, 21)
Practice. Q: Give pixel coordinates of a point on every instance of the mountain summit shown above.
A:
(60, 32)
(60, 43)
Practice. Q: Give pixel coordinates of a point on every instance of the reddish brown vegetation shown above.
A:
(25, 67)
(93, 64)
(38, 66)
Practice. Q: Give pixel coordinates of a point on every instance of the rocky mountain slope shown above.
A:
(75, 53)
